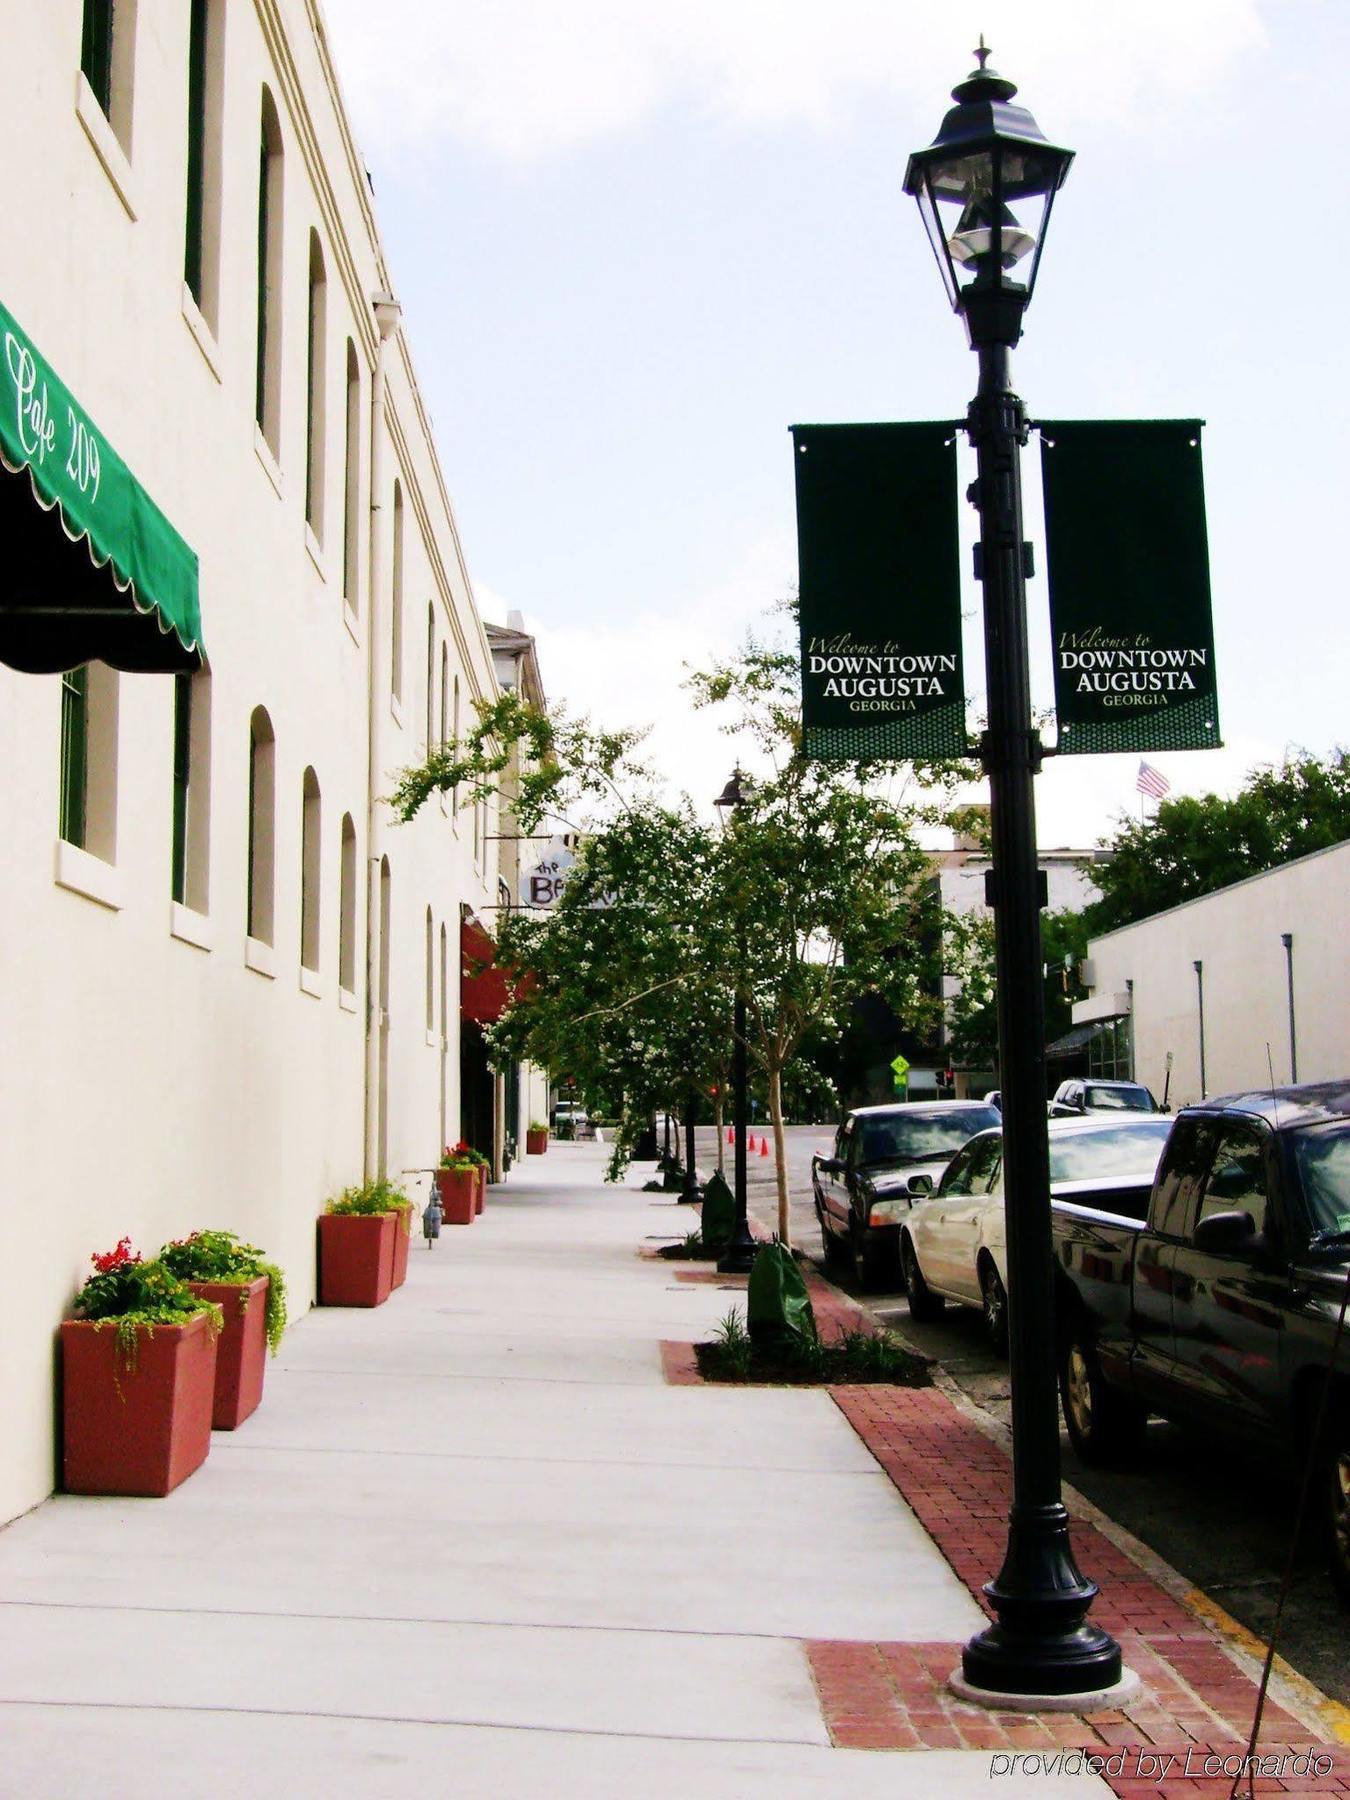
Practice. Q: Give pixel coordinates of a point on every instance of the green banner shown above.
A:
(47, 433)
(1128, 564)
(879, 565)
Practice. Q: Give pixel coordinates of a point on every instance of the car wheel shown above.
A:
(1104, 1426)
(924, 1304)
(994, 1302)
(1336, 1502)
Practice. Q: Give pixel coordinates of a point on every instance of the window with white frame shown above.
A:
(261, 826)
(190, 865)
(316, 364)
(108, 61)
(347, 908)
(271, 193)
(205, 113)
(311, 870)
(88, 782)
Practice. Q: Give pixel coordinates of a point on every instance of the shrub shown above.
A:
(128, 1292)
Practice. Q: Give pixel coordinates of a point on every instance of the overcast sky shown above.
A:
(635, 243)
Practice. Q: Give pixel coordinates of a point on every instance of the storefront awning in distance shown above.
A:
(92, 569)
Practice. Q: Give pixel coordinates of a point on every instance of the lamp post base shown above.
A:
(1089, 1700)
(739, 1256)
(1040, 1643)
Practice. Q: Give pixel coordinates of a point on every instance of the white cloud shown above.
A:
(526, 78)
(631, 672)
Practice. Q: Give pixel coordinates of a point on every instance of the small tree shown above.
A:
(821, 879)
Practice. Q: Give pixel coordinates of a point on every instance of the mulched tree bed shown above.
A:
(854, 1356)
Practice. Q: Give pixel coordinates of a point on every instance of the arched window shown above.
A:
(205, 110)
(191, 856)
(445, 695)
(311, 866)
(267, 396)
(261, 825)
(431, 984)
(315, 389)
(347, 908)
(396, 601)
(351, 522)
(431, 672)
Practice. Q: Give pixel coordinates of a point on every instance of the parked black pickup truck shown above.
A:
(1221, 1308)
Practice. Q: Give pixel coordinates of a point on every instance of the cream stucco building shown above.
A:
(1230, 991)
(231, 984)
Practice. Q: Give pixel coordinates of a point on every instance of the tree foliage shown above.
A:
(1195, 846)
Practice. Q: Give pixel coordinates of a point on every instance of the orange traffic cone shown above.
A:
(731, 1134)
(764, 1146)
(750, 1144)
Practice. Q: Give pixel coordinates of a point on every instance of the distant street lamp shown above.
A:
(988, 157)
(739, 1254)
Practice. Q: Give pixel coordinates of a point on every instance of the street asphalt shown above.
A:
(1221, 1517)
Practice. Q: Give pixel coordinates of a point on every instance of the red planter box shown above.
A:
(137, 1430)
(458, 1189)
(356, 1258)
(402, 1239)
(480, 1198)
(241, 1350)
(536, 1142)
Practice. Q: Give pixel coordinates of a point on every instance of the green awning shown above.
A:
(92, 568)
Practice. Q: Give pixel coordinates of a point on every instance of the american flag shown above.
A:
(1149, 781)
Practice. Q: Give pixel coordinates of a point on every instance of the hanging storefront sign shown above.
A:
(1128, 563)
(542, 885)
(880, 599)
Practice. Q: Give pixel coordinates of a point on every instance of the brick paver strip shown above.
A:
(1195, 1700)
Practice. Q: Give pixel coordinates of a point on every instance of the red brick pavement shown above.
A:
(1195, 1703)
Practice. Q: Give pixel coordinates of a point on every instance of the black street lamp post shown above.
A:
(739, 1254)
(988, 156)
(691, 1192)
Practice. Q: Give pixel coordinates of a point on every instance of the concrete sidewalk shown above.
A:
(472, 1544)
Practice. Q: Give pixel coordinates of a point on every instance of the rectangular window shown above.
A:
(96, 52)
(182, 777)
(196, 150)
(74, 753)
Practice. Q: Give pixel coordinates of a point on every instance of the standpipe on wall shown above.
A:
(387, 314)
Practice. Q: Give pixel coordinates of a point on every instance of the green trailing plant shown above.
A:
(127, 1293)
(538, 1125)
(219, 1256)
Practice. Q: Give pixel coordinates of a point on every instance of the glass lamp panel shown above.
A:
(936, 227)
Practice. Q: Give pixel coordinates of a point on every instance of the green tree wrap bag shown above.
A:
(719, 1213)
(777, 1302)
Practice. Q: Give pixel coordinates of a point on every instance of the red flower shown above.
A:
(114, 1259)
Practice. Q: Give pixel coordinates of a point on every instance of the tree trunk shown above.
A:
(779, 1150)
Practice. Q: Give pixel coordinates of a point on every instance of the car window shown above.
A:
(844, 1140)
(1323, 1159)
(1183, 1166)
(1128, 1152)
(1237, 1176)
(1120, 1099)
(973, 1169)
(915, 1136)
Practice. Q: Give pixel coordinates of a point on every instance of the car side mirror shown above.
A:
(919, 1185)
(1225, 1231)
